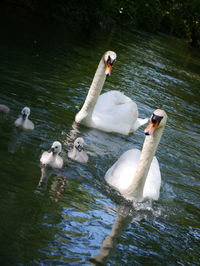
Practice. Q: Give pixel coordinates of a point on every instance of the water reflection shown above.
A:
(45, 173)
(126, 213)
(57, 186)
(72, 135)
(108, 246)
(17, 137)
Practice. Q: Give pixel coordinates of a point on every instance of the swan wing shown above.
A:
(30, 125)
(153, 182)
(110, 99)
(115, 112)
(121, 174)
(58, 163)
(18, 122)
(45, 158)
(81, 157)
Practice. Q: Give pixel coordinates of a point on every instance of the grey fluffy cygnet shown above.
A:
(4, 109)
(52, 157)
(77, 153)
(23, 120)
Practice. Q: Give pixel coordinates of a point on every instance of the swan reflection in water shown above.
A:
(58, 184)
(127, 213)
(109, 243)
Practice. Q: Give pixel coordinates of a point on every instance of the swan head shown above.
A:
(56, 147)
(109, 59)
(79, 143)
(25, 112)
(158, 120)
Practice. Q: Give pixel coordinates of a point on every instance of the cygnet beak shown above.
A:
(51, 150)
(79, 147)
(24, 116)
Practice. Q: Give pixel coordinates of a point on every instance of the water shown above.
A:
(77, 215)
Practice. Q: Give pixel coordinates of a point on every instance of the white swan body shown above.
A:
(111, 111)
(23, 120)
(121, 174)
(77, 153)
(52, 157)
(136, 174)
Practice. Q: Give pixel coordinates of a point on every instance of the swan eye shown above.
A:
(110, 60)
(156, 119)
(153, 119)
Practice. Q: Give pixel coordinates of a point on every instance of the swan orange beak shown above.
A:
(149, 130)
(108, 68)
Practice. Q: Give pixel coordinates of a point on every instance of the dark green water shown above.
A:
(48, 68)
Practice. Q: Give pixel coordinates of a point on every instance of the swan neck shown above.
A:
(148, 151)
(93, 93)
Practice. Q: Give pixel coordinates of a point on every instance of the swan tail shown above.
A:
(139, 122)
(142, 121)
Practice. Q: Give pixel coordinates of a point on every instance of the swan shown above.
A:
(136, 174)
(52, 157)
(4, 108)
(77, 153)
(23, 120)
(111, 111)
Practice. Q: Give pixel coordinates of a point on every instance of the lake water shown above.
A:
(76, 217)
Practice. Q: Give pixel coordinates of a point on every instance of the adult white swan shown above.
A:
(111, 111)
(136, 174)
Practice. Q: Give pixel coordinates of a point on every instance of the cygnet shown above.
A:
(77, 153)
(23, 120)
(4, 109)
(52, 157)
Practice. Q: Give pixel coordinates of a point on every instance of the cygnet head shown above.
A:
(158, 120)
(109, 59)
(25, 112)
(56, 147)
(79, 143)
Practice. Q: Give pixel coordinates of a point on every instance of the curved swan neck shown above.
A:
(93, 93)
(148, 151)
